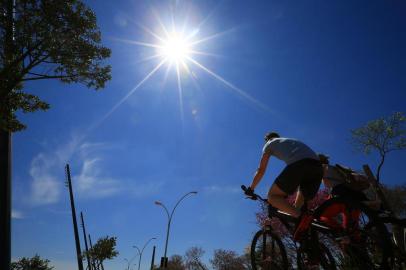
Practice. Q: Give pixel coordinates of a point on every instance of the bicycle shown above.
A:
(397, 230)
(268, 250)
(361, 239)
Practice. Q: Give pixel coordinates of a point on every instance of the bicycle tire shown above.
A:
(397, 231)
(370, 246)
(273, 256)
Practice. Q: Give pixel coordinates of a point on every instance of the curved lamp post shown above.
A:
(142, 250)
(128, 263)
(170, 217)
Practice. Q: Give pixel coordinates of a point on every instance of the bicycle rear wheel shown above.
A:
(397, 230)
(268, 252)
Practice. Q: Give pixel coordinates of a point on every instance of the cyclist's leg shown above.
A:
(285, 184)
(277, 198)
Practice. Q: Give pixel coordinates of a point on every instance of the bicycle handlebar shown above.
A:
(254, 196)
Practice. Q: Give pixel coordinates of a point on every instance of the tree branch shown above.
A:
(43, 77)
(21, 58)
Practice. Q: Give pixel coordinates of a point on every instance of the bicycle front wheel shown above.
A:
(268, 252)
(327, 261)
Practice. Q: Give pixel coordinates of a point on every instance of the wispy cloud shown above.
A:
(221, 189)
(48, 178)
(91, 182)
(45, 187)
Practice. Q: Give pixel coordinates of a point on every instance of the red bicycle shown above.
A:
(341, 234)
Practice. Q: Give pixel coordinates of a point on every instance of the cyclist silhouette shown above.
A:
(303, 172)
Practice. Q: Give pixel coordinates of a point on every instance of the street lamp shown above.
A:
(141, 251)
(170, 219)
(128, 263)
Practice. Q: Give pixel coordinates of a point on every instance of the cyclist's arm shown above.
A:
(261, 170)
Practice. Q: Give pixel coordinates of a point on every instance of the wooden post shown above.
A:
(75, 223)
(89, 266)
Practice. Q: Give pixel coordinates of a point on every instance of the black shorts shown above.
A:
(305, 174)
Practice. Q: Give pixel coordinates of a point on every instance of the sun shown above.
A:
(179, 51)
(175, 48)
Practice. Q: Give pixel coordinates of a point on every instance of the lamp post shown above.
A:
(128, 263)
(169, 221)
(142, 250)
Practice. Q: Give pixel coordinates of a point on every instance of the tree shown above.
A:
(383, 135)
(60, 36)
(227, 260)
(175, 262)
(193, 259)
(41, 40)
(396, 197)
(34, 263)
(104, 249)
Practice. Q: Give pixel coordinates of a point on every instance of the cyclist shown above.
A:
(303, 172)
(344, 182)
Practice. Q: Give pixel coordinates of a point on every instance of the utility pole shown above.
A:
(90, 242)
(153, 258)
(84, 236)
(75, 224)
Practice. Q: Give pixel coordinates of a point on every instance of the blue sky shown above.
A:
(311, 70)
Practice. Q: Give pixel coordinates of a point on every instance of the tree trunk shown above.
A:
(5, 199)
(5, 149)
(378, 171)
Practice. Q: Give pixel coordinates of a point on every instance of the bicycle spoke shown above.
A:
(267, 252)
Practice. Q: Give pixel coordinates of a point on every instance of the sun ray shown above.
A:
(210, 14)
(168, 68)
(149, 31)
(230, 85)
(185, 66)
(180, 93)
(121, 101)
(173, 19)
(149, 58)
(204, 53)
(216, 35)
(185, 22)
(160, 22)
(145, 44)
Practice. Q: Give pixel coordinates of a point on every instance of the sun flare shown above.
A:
(175, 48)
(179, 51)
